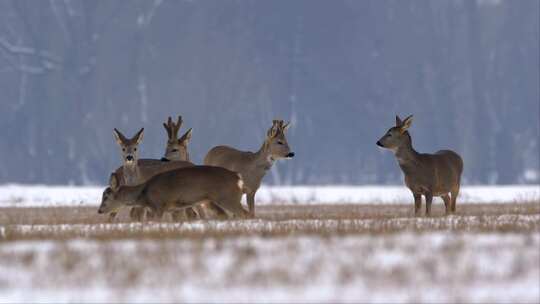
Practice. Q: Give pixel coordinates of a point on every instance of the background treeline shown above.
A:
(70, 71)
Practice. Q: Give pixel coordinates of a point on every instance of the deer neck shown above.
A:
(263, 157)
(406, 156)
(130, 194)
(132, 174)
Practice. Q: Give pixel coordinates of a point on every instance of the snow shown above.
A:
(13, 195)
(402, 267)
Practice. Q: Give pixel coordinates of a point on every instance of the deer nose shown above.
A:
(129, 157)
(379, 143)
(290, 155)
(100, 211)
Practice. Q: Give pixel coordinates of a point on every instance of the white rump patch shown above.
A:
(240, 182)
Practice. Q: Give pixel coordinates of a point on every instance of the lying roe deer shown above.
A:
(425, 174)
(179, 189)
(253, 166)
(135, 171)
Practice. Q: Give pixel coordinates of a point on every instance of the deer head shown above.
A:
(277, 142)
(396, 136)
(176, 149)
(109, 202)
(129, 147)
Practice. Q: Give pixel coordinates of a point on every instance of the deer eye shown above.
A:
(280, 142)
(135, 149)
(123, 149)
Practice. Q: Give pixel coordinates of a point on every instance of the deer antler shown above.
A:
(167, 127)
(176, 127)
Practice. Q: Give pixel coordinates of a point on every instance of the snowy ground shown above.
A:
(402, 267)
(34, 196)
(307, 244)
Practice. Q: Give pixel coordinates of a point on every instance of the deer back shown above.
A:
(150, 167)
(189, 185)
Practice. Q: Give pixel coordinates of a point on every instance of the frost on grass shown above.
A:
(400, 267)
(221, 228)
(35, 196)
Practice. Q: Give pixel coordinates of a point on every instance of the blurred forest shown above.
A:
(70, 71)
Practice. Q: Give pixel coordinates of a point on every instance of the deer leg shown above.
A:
(455, 194)
(201, 210)
(112, 216)
(234, 205)
(417, 203)
(135, 214)
(191, 214)
(429, 199)
(219, 211)
(177, 216)
(447, 203)
(149, 214)
(251, 203)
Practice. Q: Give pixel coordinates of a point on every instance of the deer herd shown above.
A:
(173, 184)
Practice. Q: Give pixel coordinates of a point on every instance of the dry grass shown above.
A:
(322, 253)
(77, 222)
(87, 215)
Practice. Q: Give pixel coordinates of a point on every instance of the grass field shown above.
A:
(344, 253)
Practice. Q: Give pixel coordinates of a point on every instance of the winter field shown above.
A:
(12, 195)
(338, 244)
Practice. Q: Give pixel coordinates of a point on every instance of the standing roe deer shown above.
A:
(179, 189)
(135, 171)
(253, 166)
(177, 149)
(425, 174)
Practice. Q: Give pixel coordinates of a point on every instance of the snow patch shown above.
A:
(13, 195)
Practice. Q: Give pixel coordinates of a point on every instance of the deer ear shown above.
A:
(399, 122)
(286, 126)
(118, 136)
(113, 182)
(139, 136)
(406, 123)
(186, 137)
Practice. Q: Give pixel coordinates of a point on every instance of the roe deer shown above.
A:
(425, 174)
(177, 149)
(253, 166)
(179, 189)
(135, 171)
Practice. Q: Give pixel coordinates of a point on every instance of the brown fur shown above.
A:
(437, 174)
(253, 166)
(179, 189)
(135, 171)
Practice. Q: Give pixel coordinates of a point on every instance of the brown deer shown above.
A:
(253, 165)
(135, 171)
(179, 189)
(177, 150)
(430, 175)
